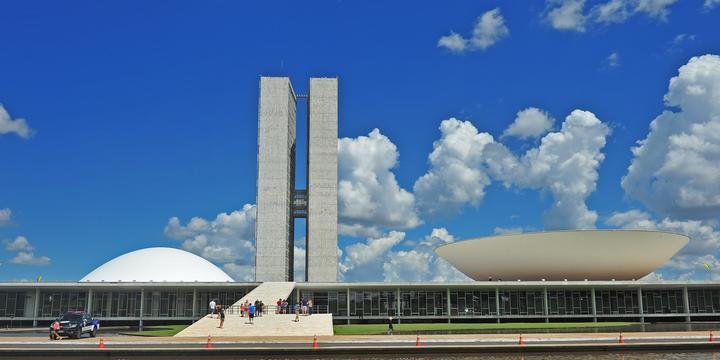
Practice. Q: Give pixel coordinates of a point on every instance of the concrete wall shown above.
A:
(322, 180)
(275, 180)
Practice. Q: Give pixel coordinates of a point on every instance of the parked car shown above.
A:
(76, 323)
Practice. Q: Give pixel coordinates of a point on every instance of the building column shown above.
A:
(36, 311)
(88, 307)
(497, 304)
(347, 305)
(397, 303)
(194, 304)
(545, 305)
(640, 308)
(594, 305)
(142, 307)
(686, 304)
(448, 305)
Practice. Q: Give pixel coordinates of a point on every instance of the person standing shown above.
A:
(390, 325)
(251, 312)
(278, 310)
(221, 314)
(212, 307)
(309, 305)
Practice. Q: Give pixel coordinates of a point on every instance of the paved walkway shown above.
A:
(270, 324)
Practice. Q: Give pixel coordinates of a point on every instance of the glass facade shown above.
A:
(423, 303)
(662, 302)
(569, 302)
(54, 303)
(704, 301)
(616, 302)
(116, 303)
(514, 302)
(472, 303)
(224, 297)
(373, 303)
(12, 304)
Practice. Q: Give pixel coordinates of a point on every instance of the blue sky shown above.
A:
(123, 121)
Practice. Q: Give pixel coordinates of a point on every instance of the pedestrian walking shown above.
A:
(212, 307)
(390, 325)
(221, 314)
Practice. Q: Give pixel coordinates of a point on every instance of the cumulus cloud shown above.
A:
(299, 263)
(25, 252)
(5, 215)
(228, 239)
(456, 176)
(20, 243)
(464, 161)
(675, 169)
(507, 231)
(569, 15)
(17, 126)
(689, 262)
(566, 15)
(421, 263)
(489, 29)
(711, 4)
(362, 260)
(530, 123)
(369, 196)
(29, 258)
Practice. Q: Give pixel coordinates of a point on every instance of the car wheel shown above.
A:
(78, 334)
(93, 333)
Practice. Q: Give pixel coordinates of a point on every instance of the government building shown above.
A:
(583, 275)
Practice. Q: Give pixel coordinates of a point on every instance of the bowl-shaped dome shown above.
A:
(157, 264)
(559, 255)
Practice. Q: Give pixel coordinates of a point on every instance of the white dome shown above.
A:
(157, 264)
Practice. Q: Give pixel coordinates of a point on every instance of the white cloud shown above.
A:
(228, 239)
(453, 42)
(612, 60)
(20, 243)
(675, 169)
(689, 262)
(456, 176)
(421, 263)
(29, 258)
(299, 263)
(566, 15)
(369, 197)
(464, 162)
(17, 126)
(489, 29)
(5, 216)
(530, 123)
(362, 260)
(711, 4)
(680, 38)
(569, 14)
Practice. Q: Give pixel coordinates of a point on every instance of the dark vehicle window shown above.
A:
(71, 317)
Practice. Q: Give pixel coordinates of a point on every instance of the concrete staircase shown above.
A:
(269, 324)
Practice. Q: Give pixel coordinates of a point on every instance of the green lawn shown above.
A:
(164, 330)
(378, 329)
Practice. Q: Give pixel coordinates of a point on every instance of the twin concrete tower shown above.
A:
(278, 201)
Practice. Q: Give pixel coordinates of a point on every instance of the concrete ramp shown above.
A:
(269, 324)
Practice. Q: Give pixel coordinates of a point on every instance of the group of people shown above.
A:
(251, 309)
(219, 310)
(305, 307)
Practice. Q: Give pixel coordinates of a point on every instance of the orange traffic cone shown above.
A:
(521, 342)
(209, 344)
(712, 338)
(315, 342)
(621, 339)
(417, 340)
(101, 345)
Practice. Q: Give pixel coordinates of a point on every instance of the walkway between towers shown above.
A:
(270, 324)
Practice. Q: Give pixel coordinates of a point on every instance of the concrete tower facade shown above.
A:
(278, 202)
(274, 224)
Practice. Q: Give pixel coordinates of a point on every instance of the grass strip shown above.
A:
(378, 329)
(162, 330)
